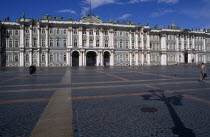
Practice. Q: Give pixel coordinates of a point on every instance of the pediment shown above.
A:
(90, 19)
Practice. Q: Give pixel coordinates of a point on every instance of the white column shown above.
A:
(188, 43)
(46, 58)
(98, 59)
(22, 36)
(204, 58)
(136, 40)
(30, 35)
(142, 58)
(80, 37)
(130, 41)
(148, 41)
(69, 37)
(177, 43)
(39, 37)
(163, 59)
(83, 56)
(30, 58)
(196, 57)
(94, 38)
(38, 58)
(112, 59)
(47, 37)
(80, 59)
(193, 42)
(142, 41)
(88, 38)
(137, 58)
(101, 39)
(204, 44)
(189, 57)
(148, 58)
(130, 58)
(182, 43)
(67, 57)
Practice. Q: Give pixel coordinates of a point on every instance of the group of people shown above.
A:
(203, 73)
(32, 70)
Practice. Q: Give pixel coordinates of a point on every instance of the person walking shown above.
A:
(202, 72)
(31, 70)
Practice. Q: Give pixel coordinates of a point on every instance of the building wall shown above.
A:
(51, 44)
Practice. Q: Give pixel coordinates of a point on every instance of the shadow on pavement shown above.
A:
(179, 128)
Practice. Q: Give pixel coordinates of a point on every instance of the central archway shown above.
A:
(91, 58)
(106, 58)
(75, 58)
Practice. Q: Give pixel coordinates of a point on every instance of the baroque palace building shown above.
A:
(91, 42)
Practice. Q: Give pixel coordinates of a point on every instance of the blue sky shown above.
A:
(185, 13)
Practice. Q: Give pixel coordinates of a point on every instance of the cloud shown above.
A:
(137, 1)
(95, 4)
(159, 1)
(168, 1)
(124, 16)
(161, 12)
(67, 11)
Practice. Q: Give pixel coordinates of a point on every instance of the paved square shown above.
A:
(148, 101)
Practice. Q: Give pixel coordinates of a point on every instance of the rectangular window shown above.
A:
(27, 42)
(16, 32)
(64, 31)
(10, 44)
(64, 57)
(43, 42)
(16, 44)
(97, 43)
(43, 31)
(64, 43)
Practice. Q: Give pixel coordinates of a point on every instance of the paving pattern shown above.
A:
(106, 101)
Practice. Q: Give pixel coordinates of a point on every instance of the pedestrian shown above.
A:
(202, 72)
(31, 70)
(34, 70)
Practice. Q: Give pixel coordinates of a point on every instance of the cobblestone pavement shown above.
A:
(149, 101)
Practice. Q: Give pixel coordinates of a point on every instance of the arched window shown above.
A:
(10, 44)
(16, 43)
(51, 43)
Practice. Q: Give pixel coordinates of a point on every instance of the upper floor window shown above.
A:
(105, 32)
(43, 31)
(121, 33)
(58, 31)
(74, 31)
(51, 31)
(43, 42)
(10, 44)
(35, 42)
(10, 32)
(64, 43)
(75, 42)
(51, 43)
(26, 42)
(58, 43)
(64, 31)
(64, 57)
(91, 32)
(84, 31)
(51, 57)
(27, 30)
(16, 58)
(106, 43)
(43, 58)
(91, 43)
(97, 32)
(35, 30)
(84, 42)
(16, 32)
(16, 43)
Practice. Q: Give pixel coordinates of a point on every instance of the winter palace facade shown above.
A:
(91, 42)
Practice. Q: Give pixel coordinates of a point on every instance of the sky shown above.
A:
(186, 14)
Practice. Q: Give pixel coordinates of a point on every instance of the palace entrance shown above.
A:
(75, 58)
(186, 57)
(106, 58)
(91, 58)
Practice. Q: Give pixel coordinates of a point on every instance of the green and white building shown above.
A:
(91, 42)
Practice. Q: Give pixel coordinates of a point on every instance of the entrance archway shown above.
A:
(186, 57)
(91, 58)
(75, 58)
(106, 58)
